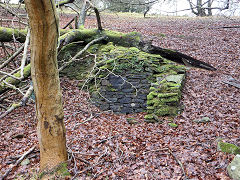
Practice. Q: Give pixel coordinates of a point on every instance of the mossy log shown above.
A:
(132, 39)
(6, 34)
(13, 81)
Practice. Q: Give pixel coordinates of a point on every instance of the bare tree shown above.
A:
(204, 8)
(43, 22)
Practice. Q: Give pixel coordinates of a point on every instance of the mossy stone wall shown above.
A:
(123, 94)
(127, 80)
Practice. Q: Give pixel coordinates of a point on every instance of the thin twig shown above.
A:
(24, 57)
(156, 150)
(18, 162)
(12, 57)
(21, 103)
(88, 119)
(81, 52)
(179, 162)
(93, 165)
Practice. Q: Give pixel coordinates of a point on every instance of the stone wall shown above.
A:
(127, 80)
(124, 94)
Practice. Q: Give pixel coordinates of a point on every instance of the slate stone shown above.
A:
(126, 85)
(138, 110)
(104, 106)
(113, 99)
(142, 96)
(125, 100)
(127, 105)
(159, 79)
(110, 94)
(128, 90)
(116, 108)
(125, 110)
(175, 78)
(233, 168)
(138, 100)
(144, 81)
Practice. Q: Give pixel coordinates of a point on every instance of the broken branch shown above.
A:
(18, 162)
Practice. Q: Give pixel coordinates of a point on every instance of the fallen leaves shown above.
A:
(106, 145)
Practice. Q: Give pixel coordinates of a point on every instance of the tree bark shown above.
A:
(50, 127)
(82, 15)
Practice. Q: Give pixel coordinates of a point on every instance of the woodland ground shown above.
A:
(105, 146)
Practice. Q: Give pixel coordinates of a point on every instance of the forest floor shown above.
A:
(103, 145)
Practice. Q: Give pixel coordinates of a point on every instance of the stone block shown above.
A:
(233, 168)
(128, 90)
(113, 99)
(126, 85)
(126, 110)
(125, 100)
(175, 78)
(116, 108)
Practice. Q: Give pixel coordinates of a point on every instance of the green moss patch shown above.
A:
(164, 77)
(228, 148)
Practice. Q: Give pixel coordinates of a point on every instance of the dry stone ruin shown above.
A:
(127, 80)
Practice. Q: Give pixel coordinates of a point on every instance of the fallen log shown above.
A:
(132, 39)
(15, 81)
(6, 34)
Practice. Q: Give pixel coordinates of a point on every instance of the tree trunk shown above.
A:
(82, 15)
(209, 7)
(43, 22)
(200, 9)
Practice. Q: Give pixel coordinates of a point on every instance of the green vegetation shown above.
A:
(228, 148)
(166, 78)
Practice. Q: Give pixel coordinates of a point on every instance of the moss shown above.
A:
(166, 95)
(59, 172)
(7, 33)
(173, 125)
(14, 105)
(150, 108)
(153, 89)
(151, 95)
(155, 102)
(164, 110)
(131, 39)
(63, 170)
(10, 80)
(173, 100)
(228, 148)
(110, 88)
(149, 116)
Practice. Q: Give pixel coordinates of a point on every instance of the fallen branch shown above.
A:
(14, 81)
(21, 103)
(224, 27)
(13, 13)
(81, 52)
(69, 22)
(12, 57)
(179, 162)
(232, 82)
(156, 150)
(93, 165)
(24, 57)
(18, 162)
